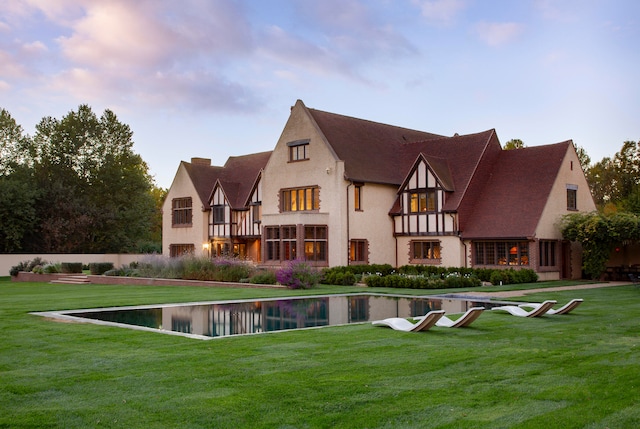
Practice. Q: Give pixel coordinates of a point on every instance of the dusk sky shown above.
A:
(217, 78)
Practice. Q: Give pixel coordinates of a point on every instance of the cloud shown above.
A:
(498, 34)
(441, 12)
(341, 38)
(127, 51)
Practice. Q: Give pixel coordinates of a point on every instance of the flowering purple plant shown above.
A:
(298, 274)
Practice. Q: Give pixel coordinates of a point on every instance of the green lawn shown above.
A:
(576, 371)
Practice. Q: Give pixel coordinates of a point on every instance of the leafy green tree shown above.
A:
(12, 143)
(18, 216)
(599, 234)
(75, 186)
(584, 158)
(615, 181)
(514, 144)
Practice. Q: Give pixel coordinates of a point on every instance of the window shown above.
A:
(298, 150)
(176, 250)
(272, 239)
(288, 235)
(425, 250)
(357, 197)
(501, 253)
(423, 201)
(315, 243)
(548, 253)
(182, 213)
(257, 213)
(358, 251)
(300, 199)
(572, 197)
(218, 214)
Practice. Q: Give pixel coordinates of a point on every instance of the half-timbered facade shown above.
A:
(338, 190)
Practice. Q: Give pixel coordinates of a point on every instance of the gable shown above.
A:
(512, 200)
(370, 150)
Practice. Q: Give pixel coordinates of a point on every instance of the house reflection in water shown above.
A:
(236, 318)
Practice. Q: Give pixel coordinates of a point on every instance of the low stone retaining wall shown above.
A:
(135, 281)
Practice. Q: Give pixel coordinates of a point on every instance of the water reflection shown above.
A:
(250, 317)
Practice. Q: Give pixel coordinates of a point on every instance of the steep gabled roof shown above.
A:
(454, 160)
(239, 176)
(370, 150)
(512, 200)
(203, 176)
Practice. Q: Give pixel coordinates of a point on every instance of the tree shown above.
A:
(93, 192)
(599, 234)
(583, 157)
(617, 180)
(18, 216)
(12, 142)
(514, 144)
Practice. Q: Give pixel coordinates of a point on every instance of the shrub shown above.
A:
(27, 266)
(266, 277)
(71, 267)
(99, 268)
(298, 275)
(52, 268)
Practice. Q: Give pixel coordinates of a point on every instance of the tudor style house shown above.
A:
(337, 190)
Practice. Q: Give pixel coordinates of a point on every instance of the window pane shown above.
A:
(414, 203)
(431, 201)
(308, 201)
(501, 253)
(423, 202)
(480, 254)
(491, 253)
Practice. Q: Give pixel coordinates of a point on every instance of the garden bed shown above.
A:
(24, 276)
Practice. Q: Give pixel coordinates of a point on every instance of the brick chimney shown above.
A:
(201, 161)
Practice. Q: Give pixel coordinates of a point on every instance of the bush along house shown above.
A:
(338, 190)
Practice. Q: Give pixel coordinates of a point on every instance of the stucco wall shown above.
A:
(197, 234)
(322, 169)
(570, 174)
(373, 222)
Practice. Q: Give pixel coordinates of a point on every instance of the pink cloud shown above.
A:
(497, 34)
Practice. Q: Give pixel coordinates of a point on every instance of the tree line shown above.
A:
(76, 186)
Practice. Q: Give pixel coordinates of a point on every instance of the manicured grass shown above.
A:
(574, 371)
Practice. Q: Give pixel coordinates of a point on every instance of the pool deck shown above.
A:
(516, 293)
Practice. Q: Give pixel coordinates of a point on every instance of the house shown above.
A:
(200, 216)
(338, 190)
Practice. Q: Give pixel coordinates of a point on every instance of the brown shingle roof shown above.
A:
(203, 177)
(454, 160)
(239, 176)
(369, 149)
(512, 200)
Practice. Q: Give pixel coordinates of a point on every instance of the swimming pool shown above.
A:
(217, 319)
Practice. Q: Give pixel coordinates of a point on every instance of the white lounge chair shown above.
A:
(400, 324)
(569, 306)
(465, 320)
(521, 312)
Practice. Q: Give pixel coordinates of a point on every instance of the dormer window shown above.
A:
(422, 201)
(298, 150)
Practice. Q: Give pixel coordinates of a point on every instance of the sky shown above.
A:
(217, 78)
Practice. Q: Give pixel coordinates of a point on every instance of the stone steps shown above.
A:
(72, 280)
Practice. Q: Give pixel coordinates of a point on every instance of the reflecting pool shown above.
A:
(216, 319)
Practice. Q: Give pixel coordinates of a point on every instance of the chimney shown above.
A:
(201, 161)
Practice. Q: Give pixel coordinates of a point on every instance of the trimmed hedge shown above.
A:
(424, 276)
(99, 268)
(71, 267)
(422, 282)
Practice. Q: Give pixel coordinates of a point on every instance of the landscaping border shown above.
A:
(24, 276)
